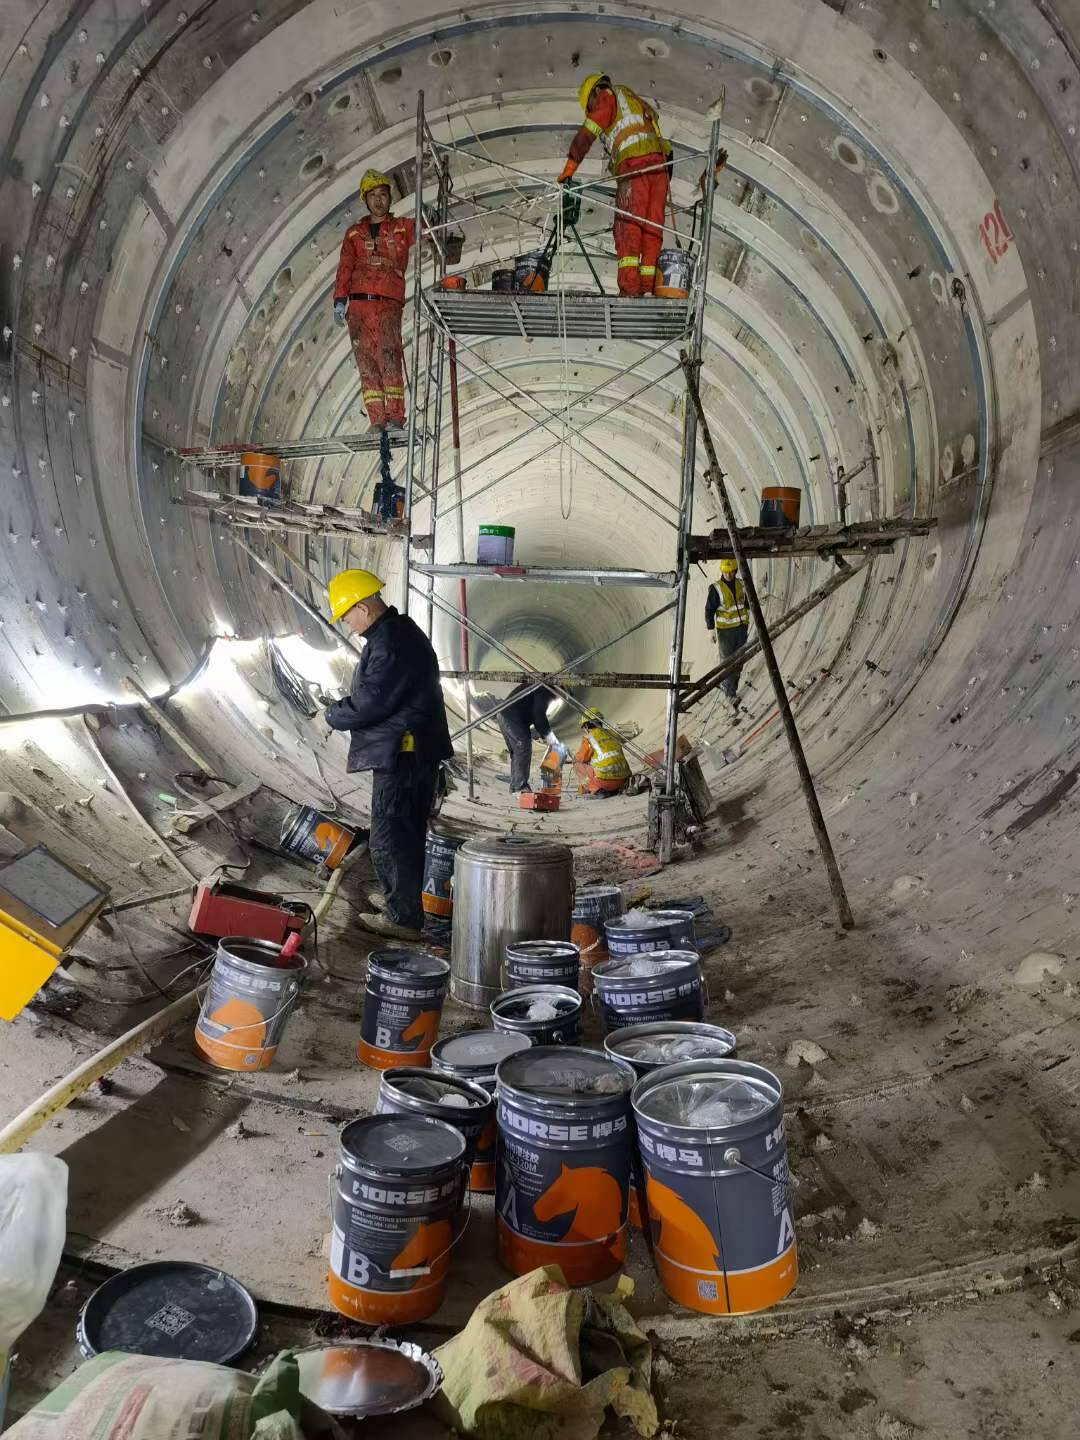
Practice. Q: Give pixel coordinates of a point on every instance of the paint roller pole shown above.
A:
(463, 596)
(817, 820)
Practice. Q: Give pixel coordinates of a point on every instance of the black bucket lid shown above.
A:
(420, 964)
(170, 1308)
(367, 1377)
(400, 1143)
(565, 1073)
(478, 1051)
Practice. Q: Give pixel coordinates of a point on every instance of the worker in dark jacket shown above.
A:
(396, 720)
(518, 722)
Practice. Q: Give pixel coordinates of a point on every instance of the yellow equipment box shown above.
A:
(45, 905)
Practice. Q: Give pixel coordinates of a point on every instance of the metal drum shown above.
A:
(645, 989)
(674, 272)
(444, 840)
(542, 962)
(506, 889)
(643, 930)
(474, 1057)
(547, 1014)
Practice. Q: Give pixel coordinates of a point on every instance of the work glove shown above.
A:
(340, 307)
(715, 639)
(566, 173)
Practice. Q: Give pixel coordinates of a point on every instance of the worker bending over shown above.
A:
(638, 154)
(369, 293)
(726, 616)
(396, 720)
(600, 764)
(518, 722)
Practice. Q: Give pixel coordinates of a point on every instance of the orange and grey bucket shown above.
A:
(780, 505)
(247, 1003)
(563, 1171)
(711, 1138)
(437, 897)
(594, 905)
(475, 1056)
(674, 269)
(260, 475)
(397, 1194)
(403, 1001)
(409, 1090)
(313, 836)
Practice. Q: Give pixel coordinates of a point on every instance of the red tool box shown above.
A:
(539, 800)
(221, 908)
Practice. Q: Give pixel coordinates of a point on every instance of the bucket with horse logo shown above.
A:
(247, 1004)
(403, 1004)
(311, 836)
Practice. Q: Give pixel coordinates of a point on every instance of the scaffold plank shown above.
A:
(310, 447)
(554, 575)
(763, 541)
(575, 315)
(571, 679)
(287, 515)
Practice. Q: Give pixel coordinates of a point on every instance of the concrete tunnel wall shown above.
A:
(175, 184)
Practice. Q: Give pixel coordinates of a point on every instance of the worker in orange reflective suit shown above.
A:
(639, 154)
(369, 294)
(600, 764)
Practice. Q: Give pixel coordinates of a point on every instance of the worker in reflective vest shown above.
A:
(727, 617)
(369, 294)
(638, 154)
(600, 764)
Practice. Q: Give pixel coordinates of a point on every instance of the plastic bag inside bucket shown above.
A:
(638, 967)
(555, 1074)
(439, 1094)
(669, 1050)
(644, 919)
(710, 1103)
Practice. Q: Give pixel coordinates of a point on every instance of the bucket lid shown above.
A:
(420, 964)
(170, 1308)
(441, 829)
(708, 1096)
(517, 850)
(563, 1072)
(447, 1091)
(367, 1377)
(477, 1050)
(536, 1002)
(647, 965)
(402, 1143)
(670, 1043)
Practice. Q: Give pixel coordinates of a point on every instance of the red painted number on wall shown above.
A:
(995, 232)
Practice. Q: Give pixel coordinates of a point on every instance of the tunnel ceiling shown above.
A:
(891, 289)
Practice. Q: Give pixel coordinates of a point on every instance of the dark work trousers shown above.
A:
(728, 641)
(518, 736)
(401, 802)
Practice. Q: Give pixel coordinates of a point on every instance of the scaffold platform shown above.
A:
(555, 575)
(305, 447)
(761, 542)
(290, 516)
(559, 314)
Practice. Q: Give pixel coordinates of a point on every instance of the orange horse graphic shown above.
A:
(592, 1194)
(425, 1247)
(679, 1234)
(425, 1029)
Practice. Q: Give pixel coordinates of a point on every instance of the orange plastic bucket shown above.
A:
(780, 505)
(453, 282)
(260, 475)
(247, 1003)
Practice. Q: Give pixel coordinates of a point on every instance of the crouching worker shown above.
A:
(396, 720)
(600, 765)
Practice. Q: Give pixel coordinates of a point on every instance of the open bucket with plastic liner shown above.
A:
(409, 1090)
(564, 1153)
(396, 1194)
(642, 930)
(541, 962)
(260, 477)
(475, 1055)
(403, 1002)
(247, 1003)
(718, 1195)
(646, 989)
(547, 1014)
(670, 1042)
(674, 272)
(312, 836)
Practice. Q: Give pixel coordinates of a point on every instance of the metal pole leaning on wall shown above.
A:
(463, 593)
(817, 820)
(686, 515)
(417, 299)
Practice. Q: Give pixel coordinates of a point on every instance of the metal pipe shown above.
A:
(171, 729)
(463, 591)
(686, 514)
(817, 820)
(418, 221)
(295, 595)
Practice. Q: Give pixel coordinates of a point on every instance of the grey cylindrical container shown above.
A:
(711, 1137)
(645, 989)
(443, 842)
(563, 1172)
(547, 1014)
(635, 934)
(474, 1056)
(403, 1000)
(506, 888)
(410, 1090)
(247, 1003)
(542, 962)
(669, 1042)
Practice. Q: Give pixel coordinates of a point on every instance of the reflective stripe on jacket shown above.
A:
(632, 131)
(372, 265)
(730, 604)
(607, 757)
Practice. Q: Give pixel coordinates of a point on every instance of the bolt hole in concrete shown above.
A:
(305, 100)
(848, 155)
(441, 59)
(311, 166)
(282, 280)
(296, 354)
(343, 102)
(655, 49)
(880, 55)
(762, 89)
(391, 75)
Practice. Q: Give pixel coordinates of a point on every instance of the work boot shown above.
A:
(383, 925)
(377, 900)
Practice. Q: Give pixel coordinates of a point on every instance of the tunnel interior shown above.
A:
(889, 325)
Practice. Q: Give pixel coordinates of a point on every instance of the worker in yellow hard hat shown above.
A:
(369, 294)
(396, 720)
(600, 764)
(727, 618)
(630, 130)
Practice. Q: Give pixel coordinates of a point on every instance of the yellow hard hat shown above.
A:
(371, 180)
(587, 87)
(348, 587)
(729, 567)
(592, 716)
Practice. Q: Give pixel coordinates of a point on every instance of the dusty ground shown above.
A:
(932, 1075)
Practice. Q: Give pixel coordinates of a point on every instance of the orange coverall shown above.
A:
(639, 236)
(371, 277)
(591, 783)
